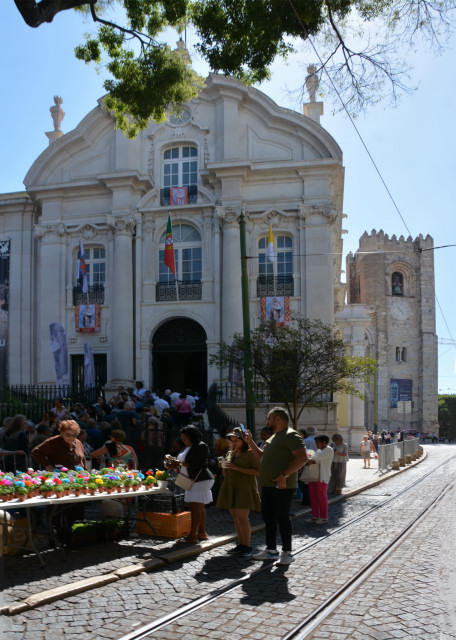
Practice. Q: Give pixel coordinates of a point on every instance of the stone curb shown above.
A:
(159, 562)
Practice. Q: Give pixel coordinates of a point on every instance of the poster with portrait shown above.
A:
(87, 317)
(400, 391)
(59, 352)
(4, 306)
(178, 195)
(276, 309)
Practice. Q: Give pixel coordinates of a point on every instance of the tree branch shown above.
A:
(34, 14)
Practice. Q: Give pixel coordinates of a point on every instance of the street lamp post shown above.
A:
(249, 395)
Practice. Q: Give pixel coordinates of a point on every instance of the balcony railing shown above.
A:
(268, 285)
(192, 195)
(189, 290)
(95, 295)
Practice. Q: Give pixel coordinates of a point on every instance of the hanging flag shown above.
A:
(270, 251)
(82, 271)
(169, 248)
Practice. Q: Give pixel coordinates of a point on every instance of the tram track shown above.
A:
(324, 609)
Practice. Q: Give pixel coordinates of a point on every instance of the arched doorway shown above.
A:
(179, 356)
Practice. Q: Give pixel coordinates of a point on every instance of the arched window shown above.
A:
(187, 255)
(180, 176)
(397, 284)
(282, 268)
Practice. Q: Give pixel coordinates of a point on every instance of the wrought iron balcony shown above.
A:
(268, 286)
(95, 295)
(192, 195)
(189, 290)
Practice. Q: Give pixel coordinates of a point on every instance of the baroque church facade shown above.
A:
(231, 149)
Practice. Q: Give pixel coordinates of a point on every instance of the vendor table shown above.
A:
(39, 501)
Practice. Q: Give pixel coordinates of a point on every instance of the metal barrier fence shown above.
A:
(389, 453)
(34, 401)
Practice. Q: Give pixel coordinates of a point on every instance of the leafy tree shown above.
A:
(298, 363)
(358, 41)
(447, 416)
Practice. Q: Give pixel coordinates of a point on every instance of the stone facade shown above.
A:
(233, 148)
(392, 280)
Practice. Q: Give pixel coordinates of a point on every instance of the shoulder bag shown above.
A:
(310, 473)
(184, 482)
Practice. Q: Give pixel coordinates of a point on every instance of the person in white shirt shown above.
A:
(190, 398)
(161, 403)
(174, 396)
(318, 490)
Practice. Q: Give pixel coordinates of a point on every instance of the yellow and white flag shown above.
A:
(270, 251)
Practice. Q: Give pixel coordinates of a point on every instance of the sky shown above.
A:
(412, 145)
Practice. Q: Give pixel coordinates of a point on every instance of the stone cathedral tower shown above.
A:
(394, 279)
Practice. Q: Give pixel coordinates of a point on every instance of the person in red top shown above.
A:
(64, 449)
(184, 410)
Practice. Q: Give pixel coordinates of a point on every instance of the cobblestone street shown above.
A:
(410, 595)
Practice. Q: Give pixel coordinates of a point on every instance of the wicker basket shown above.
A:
(163, 503)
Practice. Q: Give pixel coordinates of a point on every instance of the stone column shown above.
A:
(318, 288)
(354, 321)
(50, 295)
(231, 295)
(122, 299)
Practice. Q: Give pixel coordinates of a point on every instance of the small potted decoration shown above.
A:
(127, 482)
(6, 491)
(92, 487)
(59, 490)
(135, 484)
(149, 481)
(162, 478)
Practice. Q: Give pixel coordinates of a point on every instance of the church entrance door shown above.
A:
(179, 356)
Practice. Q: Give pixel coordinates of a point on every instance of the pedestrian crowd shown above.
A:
(141, 415)
(261, 475)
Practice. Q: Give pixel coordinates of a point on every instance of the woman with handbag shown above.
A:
(192, 463)
(318, 488)
(239, 490)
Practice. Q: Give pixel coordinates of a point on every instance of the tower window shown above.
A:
(397, 284)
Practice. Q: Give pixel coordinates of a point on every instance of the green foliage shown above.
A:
(299, 363)
(447, 416)
(358, 40)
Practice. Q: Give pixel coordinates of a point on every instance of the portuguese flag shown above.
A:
(169, 248)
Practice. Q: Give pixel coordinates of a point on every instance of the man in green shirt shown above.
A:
(283, 455)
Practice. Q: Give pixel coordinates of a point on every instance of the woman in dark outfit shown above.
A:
(192, 462)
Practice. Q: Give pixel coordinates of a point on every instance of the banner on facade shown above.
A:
(276, 309)
(88, 317)
(4, 314)
(89, 366)
(59, 352)
(400, 391)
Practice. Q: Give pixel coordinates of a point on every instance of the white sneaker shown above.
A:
(267, 554)
(286, 558)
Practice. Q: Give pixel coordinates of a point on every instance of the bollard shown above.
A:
(402, 462)
(395, 465)
(408, 459)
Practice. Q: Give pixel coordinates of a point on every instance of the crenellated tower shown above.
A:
(394, 278)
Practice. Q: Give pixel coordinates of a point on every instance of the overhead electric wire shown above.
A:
(364, 145)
